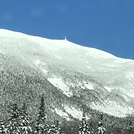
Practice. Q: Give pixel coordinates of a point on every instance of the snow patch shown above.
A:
(89, 67)
(108, 88)
(38, 62)
(44, 71)
(129, 93)
(58, 57)
(112, 108)
(41, 65)
(58, 82)
(126, 97)
(88, 85)
(62, 114)
(130, 75)
(74, 112)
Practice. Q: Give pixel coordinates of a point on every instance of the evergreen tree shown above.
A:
(91, 127)
(41, 127)
(130, 128)
(24, 121)
(84, 129)
(54, 128)
(2, 127)
(101, 129)
(13, 122)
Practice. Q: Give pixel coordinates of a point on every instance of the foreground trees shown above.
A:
(13, 123)
(84, 129)
(20, 123)
(54, 129)
(24, 122)
(41, 126)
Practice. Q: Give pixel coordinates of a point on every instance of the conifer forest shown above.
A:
(19, 122)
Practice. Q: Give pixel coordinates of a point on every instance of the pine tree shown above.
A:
(91, 127)
(130, 128)
(101, 129)
(13, 122)
(57, 127)
(2, 127)
(24, 121)
(84, 129)
(54, 128)
(41, 127)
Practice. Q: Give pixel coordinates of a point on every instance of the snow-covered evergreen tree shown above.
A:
(24, 121)
(2, 127)
(130, 127)
(101, 128)
(13, 122)
(54, 128)
(41, 127)
(84, 129)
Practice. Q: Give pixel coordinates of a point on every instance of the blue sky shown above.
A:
(104, 24)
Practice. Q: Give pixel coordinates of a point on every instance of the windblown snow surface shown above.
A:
(99, 80)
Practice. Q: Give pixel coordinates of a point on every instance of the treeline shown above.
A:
(19, 122)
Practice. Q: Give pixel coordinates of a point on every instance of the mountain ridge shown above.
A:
(98, 79)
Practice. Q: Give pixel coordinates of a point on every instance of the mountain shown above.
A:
(71, 77)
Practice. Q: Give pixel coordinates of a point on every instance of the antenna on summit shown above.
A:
(65, 38)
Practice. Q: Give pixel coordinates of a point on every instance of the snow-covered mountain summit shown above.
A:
(81, 76)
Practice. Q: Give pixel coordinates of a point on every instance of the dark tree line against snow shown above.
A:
(19, 122)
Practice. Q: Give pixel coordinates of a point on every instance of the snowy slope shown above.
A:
(100, 80)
